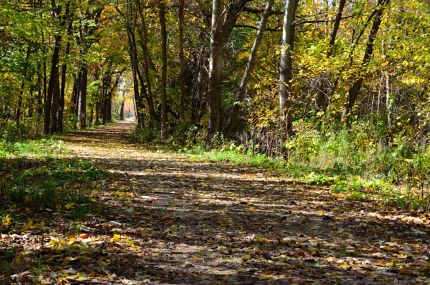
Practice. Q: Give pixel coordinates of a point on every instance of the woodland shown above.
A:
(214, 142)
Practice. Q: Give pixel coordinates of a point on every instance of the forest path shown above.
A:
(167, 219)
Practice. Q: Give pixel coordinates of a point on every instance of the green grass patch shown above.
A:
(54, 184)
(355, 187)
(36, 149)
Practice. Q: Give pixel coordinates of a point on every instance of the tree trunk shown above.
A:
(286, 72)
(53, 86)
(143, 36)
(215, 71)
(55, 109)
(75, 94)
(64, 69)
(21, 93)
(354, 90)
(83, 95)
(234, 112)
(121, 110)
(181, 60)
(162, 15)
(321, 100)
(135, 71)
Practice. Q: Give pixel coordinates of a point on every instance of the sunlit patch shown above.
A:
(159, 217)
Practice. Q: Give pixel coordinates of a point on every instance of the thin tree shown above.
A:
(215, 71)
(354, 90)
(241, 93)
(321, 100)
(286, 65)
(162, 18)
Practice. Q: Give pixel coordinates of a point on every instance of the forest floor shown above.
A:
(161, 218)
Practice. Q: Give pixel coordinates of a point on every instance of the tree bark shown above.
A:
(21, 93)
(134, 68)
(234, 112)
(143, 34)
(354, 90)
(162, 15)
(83, 95)
(52, 87)
(215, 71)
(181, 60)
(55, 109)
(75, 94)
(286, 72)
(64, 68)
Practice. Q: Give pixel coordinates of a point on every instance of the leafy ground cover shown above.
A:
(161, 217)
(413, 196)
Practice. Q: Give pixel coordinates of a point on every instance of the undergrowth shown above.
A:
(53, 184)
(350, 162)
(36, 174)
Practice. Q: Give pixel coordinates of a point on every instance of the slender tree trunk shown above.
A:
(64, 69)
(30, 103)
(55, 109)
(215, 71)
(162, 15)
(21, 92)
(39, 107)
(321, 100)
(52, 87)
(354, 90)
(106, 81)
(121, 110)
(234, 112)
(286, 72)
(181, 60)
(83, 95)
(143, 34)
(135, 70)
(75, 94)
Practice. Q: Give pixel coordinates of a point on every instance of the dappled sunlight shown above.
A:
(159, 217)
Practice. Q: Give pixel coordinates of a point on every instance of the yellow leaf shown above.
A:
(28, 225)
(71, 241)
(6, 221)
(115, 238)
(69, 206)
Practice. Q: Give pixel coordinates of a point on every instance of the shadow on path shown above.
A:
(166, 219)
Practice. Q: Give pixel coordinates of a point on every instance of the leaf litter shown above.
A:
(160, 218)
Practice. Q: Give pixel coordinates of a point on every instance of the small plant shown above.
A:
(5, 222)
(54, 185)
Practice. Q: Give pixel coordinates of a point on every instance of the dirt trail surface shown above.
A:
(166, 219)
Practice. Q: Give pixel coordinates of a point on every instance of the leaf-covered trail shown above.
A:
(166, 219)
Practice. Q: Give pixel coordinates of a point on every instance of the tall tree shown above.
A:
(250, 65)
(181, 59)
(321, 100)
(215, 71)
(286, 66)
(51, 102)
(354, 90)
(162, 17)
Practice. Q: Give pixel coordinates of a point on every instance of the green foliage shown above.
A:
(44, 148)
(351, 162)
(55, 184)
(145, 135)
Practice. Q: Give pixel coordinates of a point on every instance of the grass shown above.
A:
(34, 149)
(56, 184)
(37, 174)
(354, 186)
